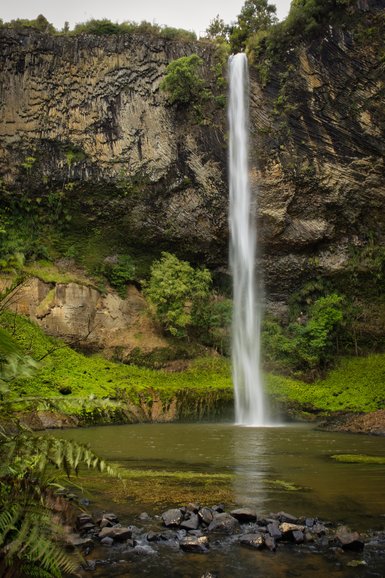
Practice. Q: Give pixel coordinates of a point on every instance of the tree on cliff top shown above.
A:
(255, 16)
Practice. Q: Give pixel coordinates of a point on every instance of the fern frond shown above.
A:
(8, 522)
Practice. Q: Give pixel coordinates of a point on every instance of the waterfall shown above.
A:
(250, 404)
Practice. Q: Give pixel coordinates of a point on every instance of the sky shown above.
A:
(189, 14)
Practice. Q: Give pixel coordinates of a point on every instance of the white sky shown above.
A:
(189, 14)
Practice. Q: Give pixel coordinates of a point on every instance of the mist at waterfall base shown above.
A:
(250, 402)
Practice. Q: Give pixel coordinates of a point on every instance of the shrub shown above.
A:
(119, 271)
(307, 343)
(183, 83)
(98, 27)
(175, 290)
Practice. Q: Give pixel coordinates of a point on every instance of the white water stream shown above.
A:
(250, 403)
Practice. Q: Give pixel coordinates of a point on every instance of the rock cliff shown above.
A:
(83, 118)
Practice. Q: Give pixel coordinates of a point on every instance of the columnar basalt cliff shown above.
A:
(320, 125)
(83, 118)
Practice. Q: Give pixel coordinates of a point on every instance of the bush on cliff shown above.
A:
(183, 83)
(307, 343)
(175, 291)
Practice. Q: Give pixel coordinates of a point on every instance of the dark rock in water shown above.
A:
(323, 541)
(309, 537)
(284, 517)
(270, 543)
(287, 529)
(224, 523)
(195, 533)
(75, 541)
(298, 536)
(191, 522)
(219, 508)
(349, 540)
(319, 529)
(144, 550)
(197, 544)
(180, 534)
(84, 521)
(122, 534)
(117, 533)
(309, 522)
(266, 521)
(206, 515)
(244, 515)
(88, 528)
(193, 508)
(172, 517)
(144, 517)
(154, 536)
(104, 523)
(256, 541)
(111, 517)
(274, 530)
(107, 541)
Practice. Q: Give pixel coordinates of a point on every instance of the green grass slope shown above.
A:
(70, 379)
(356, 384)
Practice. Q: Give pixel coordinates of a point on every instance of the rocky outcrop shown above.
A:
(85, 317)
(84, 117)
(318, 138)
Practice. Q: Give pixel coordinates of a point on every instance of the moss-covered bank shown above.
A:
(69, 388)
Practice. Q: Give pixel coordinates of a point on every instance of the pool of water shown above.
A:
(283, 468)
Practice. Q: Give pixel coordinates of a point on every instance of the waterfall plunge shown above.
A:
(250, 404)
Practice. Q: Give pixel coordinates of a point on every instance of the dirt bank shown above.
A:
(367, 423)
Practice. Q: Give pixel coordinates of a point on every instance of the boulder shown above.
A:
(144, 517)
(172, 517)
(224, 523)
(244, 515)
(191, 522)
(206, 515)
(116, 532)
(107, 541)
(219, 508)
(270, 543)
(349, 540)
(256, 541)
(196, 544)
(298, 536)
(285, 517)
(287, 528)
(274, 531)
(84, 521)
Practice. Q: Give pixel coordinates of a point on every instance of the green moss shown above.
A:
(358, 459)
(97, 390)
(50, 273)
(355, 384)
(284, 485)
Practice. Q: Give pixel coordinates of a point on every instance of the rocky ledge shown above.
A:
(194, 529)
(366, 423)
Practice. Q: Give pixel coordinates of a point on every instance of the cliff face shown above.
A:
(84, 117)
(319, 127)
